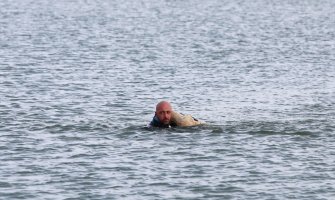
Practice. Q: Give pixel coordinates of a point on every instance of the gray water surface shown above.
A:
(79, 81)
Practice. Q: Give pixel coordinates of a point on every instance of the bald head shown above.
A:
(163, 112)
(163, 104)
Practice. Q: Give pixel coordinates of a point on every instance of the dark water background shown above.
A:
(79, 81)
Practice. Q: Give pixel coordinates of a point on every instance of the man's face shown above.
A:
(163, 113)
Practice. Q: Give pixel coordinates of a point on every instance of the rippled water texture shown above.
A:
(79, 81)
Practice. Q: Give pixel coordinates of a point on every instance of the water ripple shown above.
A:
(79, 81)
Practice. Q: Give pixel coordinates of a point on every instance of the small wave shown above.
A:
(81, 126)
(245, 127)
(270, 128)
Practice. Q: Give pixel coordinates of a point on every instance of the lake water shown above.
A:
(79, 81)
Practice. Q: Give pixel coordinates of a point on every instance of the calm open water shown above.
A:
(79, 80)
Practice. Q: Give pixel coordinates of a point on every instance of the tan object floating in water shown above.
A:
(184, 120)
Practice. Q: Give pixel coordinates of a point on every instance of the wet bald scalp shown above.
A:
(163, 104)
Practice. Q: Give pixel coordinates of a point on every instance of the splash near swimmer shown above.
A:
(165, 117)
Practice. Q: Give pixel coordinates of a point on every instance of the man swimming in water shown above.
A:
(162, 116)
(165, 117)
